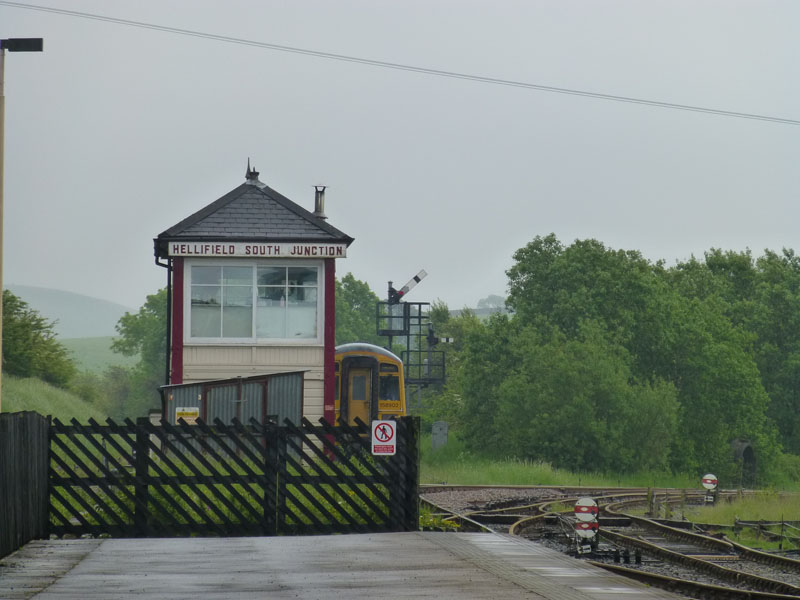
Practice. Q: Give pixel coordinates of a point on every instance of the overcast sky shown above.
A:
(115, 133)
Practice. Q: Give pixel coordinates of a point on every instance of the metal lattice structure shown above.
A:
(408, 323)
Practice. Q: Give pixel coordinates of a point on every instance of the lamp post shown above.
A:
(12, 45)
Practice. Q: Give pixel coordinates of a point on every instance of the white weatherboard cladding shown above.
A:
(206, 362)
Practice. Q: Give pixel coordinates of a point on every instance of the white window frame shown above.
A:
(252, 341)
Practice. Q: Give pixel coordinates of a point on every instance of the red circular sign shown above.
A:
(586, 530)
(384, 432)
(586, 509)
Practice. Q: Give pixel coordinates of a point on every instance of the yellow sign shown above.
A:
(190, 414)
(388, 405)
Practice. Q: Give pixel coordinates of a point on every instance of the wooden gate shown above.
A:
(144, 480)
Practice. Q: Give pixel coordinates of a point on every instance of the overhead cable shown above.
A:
(399, 66)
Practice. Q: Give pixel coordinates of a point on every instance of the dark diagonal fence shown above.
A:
(139, 479)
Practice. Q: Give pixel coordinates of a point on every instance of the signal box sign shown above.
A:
(190, 414)
(384, 438)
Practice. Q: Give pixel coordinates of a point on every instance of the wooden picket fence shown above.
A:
(144, 480)
(23, 479)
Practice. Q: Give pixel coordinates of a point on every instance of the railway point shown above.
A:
(467, 566)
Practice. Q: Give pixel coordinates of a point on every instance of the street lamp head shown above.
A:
(22, 44)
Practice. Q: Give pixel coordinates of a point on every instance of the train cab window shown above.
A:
(389, 387)
(336, 388)
(359, 385)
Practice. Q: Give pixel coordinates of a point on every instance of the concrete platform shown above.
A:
(399, 565)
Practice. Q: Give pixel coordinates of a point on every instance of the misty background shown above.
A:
(116, 132)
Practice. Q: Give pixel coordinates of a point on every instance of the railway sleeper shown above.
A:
(690, 588)
(766, 558)
(724, 544)
(702, 566)
(718, 545)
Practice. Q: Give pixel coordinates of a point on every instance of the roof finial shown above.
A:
(251, 176)
(251, 173)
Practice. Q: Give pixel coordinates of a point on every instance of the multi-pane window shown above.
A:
(287, 302)
(254, 302)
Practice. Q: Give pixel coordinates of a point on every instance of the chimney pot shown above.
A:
(319, 201)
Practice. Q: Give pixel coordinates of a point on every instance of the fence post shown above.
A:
(412, 427)
(46, 449)
(404, 490)
(141, 466)
(396, 484)
(275, 470)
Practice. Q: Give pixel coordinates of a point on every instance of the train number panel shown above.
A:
(369, 384)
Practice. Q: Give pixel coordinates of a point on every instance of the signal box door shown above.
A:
(359, 381)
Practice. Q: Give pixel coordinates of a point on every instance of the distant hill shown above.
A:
(76, 316)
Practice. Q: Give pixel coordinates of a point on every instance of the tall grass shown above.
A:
(766, 506)
(453, 464)
(36, 395)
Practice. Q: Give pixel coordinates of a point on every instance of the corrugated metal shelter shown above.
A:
(276, 396)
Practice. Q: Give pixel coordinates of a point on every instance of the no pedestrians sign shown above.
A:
(384, 440)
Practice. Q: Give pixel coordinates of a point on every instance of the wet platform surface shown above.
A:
(395, 565)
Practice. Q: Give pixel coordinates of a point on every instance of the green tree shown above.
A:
(564, 286)
(776, 323)
(355, 312)
(30, 347)
(761, 299)
(142, 334)
(692, 333)
(492, 301)
(572, 402)
(445, 402)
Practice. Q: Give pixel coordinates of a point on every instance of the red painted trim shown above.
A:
(329, 333)
(176, 349)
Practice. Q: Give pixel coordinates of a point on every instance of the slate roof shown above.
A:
(253, 212)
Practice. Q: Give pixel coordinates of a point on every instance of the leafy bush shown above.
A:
(30, 347)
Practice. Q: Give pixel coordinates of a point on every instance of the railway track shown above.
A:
(665, 555)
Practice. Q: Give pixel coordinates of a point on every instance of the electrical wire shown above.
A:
(399, 66)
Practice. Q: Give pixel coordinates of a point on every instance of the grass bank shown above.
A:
(766, 506)
(36, 395)
(453, 464)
